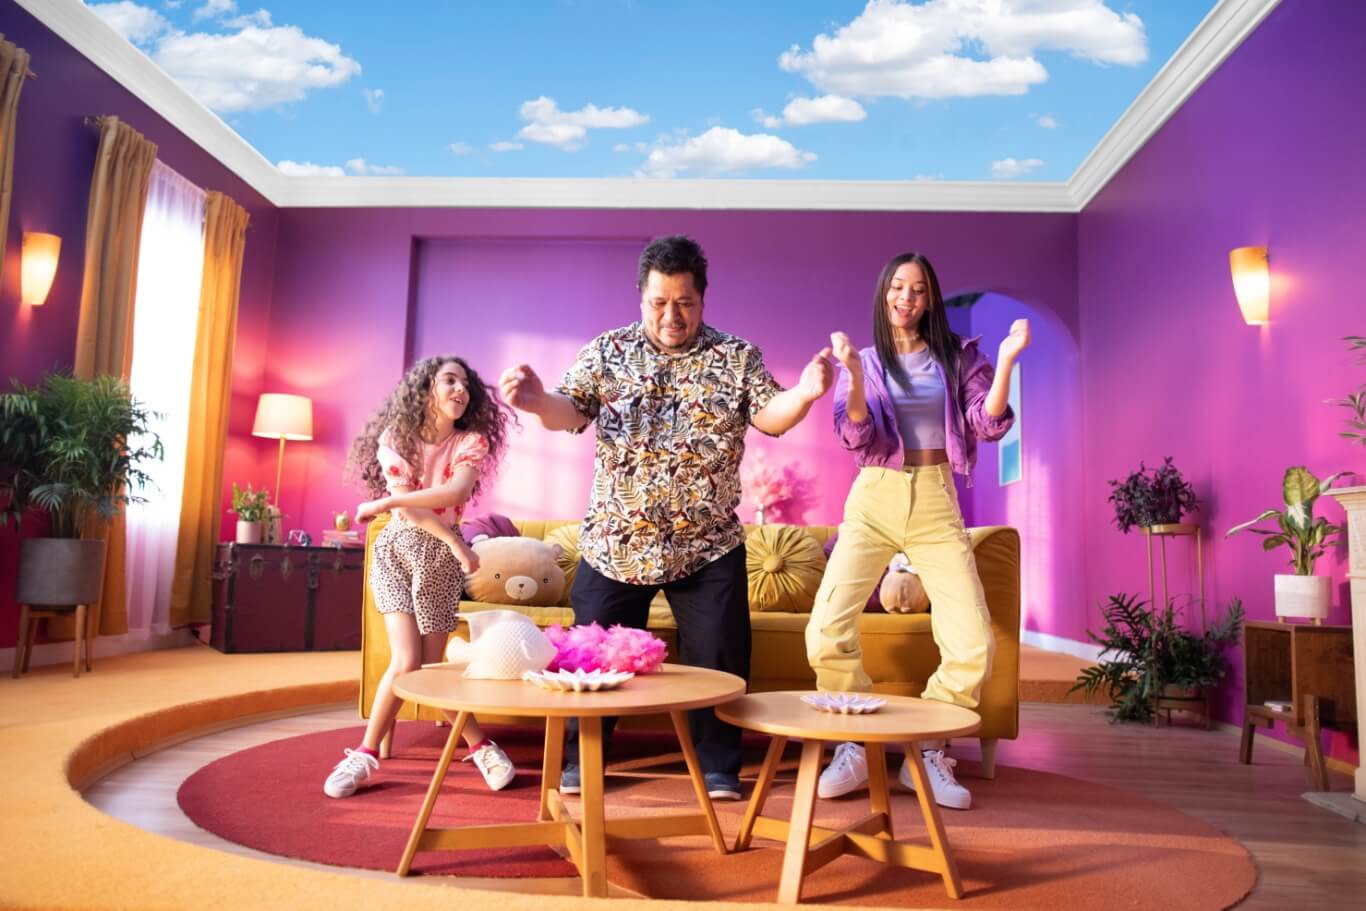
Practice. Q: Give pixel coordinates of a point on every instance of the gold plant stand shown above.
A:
(1198, 705)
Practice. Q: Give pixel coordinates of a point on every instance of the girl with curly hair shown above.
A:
(424, 454)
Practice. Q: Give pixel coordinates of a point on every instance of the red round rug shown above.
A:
(1032, 839)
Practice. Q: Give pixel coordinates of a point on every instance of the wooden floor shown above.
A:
(1307, 857)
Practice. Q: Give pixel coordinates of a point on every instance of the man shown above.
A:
(671, 399)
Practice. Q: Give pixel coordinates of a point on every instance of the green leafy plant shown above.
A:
(1152, 652)
(1152, 496)
(1355, 402)
(75, 449)
(250, 505)
(1297, 528)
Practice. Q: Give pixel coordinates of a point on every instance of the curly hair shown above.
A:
(409, 408)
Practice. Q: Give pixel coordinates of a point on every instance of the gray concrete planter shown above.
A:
(60, 572)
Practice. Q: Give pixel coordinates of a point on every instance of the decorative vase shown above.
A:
(248, 532)
(60, 572)
(1303, 596)
(341, 521)
(272, 530)
(759, 514)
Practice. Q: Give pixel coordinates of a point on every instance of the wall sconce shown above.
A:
(1251, 282)
(39, 267)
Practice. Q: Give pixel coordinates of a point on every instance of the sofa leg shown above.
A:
(989, 757)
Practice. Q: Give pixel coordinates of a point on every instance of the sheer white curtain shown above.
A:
(170, 265)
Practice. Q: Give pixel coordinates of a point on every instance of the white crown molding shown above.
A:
(1200, 55)
(649, 193)
(79, 27)
(1213, 40)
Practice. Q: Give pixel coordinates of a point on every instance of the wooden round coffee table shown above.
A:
(902, 720)
(674, 688)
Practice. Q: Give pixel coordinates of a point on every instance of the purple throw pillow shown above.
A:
(875, 599)
(491, 524)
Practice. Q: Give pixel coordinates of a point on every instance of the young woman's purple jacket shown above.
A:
(876, 442)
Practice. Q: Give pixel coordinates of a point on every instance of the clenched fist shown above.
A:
(1016, 341)
(843, 350)
(522, 388)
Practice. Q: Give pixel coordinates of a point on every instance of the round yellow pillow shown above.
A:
(567, 536)
(785, 565)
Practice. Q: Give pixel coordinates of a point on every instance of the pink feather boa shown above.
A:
(592, 648)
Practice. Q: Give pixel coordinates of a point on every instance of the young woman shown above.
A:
(423, 456)
(911, 408)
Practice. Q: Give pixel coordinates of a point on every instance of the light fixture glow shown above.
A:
(39, 266)
(1251, 282)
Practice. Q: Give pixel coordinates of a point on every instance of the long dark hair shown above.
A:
(945, 345)
(405, 412)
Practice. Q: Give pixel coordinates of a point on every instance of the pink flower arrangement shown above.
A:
(592, 648)
(782, 493)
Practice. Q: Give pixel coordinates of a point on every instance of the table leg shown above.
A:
(433, 790)
(799, 831)
(879, 796)
(699, 783)
(594, 867)
(939, 842)
(761, 789)
(550, 765)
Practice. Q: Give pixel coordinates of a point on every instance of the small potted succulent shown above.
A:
(1302, 594)
(1150, 497)
(251, 508)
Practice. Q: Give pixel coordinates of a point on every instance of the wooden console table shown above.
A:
(1310, 669)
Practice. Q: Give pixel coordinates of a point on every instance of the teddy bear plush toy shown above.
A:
(516, 570)
(901, 591)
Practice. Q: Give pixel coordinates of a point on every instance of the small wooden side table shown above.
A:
(674, 688)
(902, 720)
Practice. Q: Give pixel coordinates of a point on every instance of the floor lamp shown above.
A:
(280, 416)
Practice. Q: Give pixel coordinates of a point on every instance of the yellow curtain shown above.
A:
(13, 70)
(225, 241)
(104, 335)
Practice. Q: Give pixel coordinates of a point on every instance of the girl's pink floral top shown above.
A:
(439, 462)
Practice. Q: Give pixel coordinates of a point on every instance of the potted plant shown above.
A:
(1154, 657)
(251, 507)
(1302, 594)
(1354, 402)
(1152, 496)
(73, 449)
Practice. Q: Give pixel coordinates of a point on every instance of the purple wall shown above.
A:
(1266, 152)
(784, 280)
(54, 159)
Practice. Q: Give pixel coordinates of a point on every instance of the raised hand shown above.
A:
(1016, 341)
(816, 376)
(522, 388)
(844, 352)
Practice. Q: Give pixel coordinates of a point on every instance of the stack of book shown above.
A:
(348, 538)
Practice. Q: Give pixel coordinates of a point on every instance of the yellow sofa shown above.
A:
(899, 652)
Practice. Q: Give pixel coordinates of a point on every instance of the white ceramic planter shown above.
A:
(1303, 596)
(248, 532)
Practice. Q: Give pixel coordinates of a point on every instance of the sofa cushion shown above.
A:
(492, 525)
(567, 536)
(785, 565)
(875, 599)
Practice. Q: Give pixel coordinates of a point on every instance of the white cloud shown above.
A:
(308, 169)
(825, 109)
(1008, 168)
(362, 168)
(172, 4)
(374, 99)
(721, 150)
(138, 24)
(504, 146)
(908, 51)
(256, 66)
(765, 119)
(927, 178)
(568, 130)
(212, 8)
(1047, 121)
(459, 148)
(622, 147)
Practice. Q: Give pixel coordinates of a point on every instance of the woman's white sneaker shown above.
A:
(350, 774)
(947, 791)
(494, 765)
(847, 772)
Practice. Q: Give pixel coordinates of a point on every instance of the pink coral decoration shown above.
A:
(592, 648)
(783, 493)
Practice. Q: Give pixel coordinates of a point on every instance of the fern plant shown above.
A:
(1354, 402)
(1151, 652)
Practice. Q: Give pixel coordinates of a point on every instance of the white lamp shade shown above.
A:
(282, 416)
(38, 266)
(1251, 283)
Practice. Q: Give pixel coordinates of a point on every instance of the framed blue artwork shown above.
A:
(1009, 458)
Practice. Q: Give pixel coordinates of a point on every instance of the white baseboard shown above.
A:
(1087, 651)
(105, 647)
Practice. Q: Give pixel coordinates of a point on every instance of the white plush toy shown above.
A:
(503, 645)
